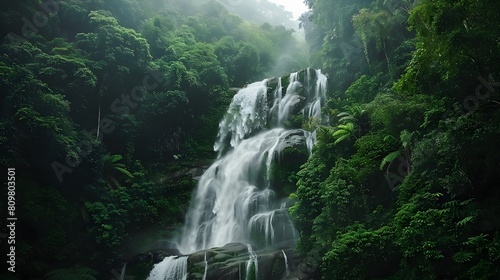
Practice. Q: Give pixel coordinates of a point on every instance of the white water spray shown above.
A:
(171, 268)
(252, 260)
(234, 200)
(247, 113)
(206, 268)
(287, 269)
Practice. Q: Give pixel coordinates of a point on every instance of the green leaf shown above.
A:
(340, 139)
(406, 137)
(124, 171)
(389, 158)
(462, 257)
(476, 240)
(115, 158)
(465, 221)
(340, 132)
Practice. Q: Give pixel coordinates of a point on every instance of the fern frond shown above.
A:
(465, 221)
(476, 240)
(124, 171)
(115, 158)
(462, 257)
(389, 158)
(465, 202)
(451, 204)
(346, 118)
(340, 139)
(343, 114)
(340, 132)
(406, 138)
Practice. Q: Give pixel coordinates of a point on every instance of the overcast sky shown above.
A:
(297, 7)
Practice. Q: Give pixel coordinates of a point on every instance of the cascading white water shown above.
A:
(287, 269)
(171, 268)
(247, 113)
(234, 200)
(290, 100)
(206, 268)
(316, 101)
(252, 260)
(228, 197)
(278, 96)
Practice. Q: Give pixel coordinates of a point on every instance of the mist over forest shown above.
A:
(204, 139)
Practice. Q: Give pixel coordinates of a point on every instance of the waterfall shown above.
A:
(171, 268)
(287, 269)
(278, 96)
(234, 200)
(290, 100)
(228, 194)
(246, 113)
(252, 259)
(206, 267)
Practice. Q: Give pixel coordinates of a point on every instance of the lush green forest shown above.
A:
(105, 103)
(403, 183)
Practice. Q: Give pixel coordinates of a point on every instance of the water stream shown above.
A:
(252, 260)
(206, 267)
(234, 200)
(171, 268)
(287, 269)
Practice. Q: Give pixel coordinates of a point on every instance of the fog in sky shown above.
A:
(297, 7)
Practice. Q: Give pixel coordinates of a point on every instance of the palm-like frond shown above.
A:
(115, 158)
(113, 168)
(343, 132)
(340, 139)
(465, 221)
(406, 137)
(124, 171)
(462, 257)
(389, 158)
(352, 114)
(345, 117)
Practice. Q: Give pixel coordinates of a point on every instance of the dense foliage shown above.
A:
(403, 183)
(104, 105)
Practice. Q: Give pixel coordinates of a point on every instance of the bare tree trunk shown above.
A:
(387, 58)
(99, 117)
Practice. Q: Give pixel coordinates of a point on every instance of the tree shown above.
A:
(119, 51)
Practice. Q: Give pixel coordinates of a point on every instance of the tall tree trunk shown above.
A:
(99, 117)
(387, 58)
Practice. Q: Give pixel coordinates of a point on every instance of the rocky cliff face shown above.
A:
(230, 262)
